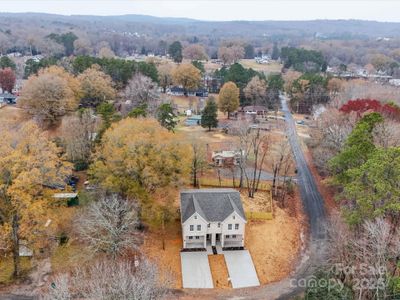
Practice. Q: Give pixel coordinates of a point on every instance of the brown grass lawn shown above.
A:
(274, 245)
(167, 259)
(68, 256)
(272, 67)
(219, 271)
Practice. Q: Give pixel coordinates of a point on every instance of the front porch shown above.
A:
(218, 240)
(194, 242)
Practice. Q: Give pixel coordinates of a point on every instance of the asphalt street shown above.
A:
(312, 200)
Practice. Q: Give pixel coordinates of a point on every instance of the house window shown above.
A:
(195, 217)
(197, 237)
(190, 237)
(208, 225)
(227, 236)
(233, 217)
(236, 226)
(229, 226)
(234, 236)
(219, 225)
(198, 227)
(191, 228)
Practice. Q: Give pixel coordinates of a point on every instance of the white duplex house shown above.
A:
(212, 217)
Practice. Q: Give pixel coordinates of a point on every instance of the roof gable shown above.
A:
(214, 205)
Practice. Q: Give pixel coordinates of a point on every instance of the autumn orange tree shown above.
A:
(228, 98)
(188, 76)
(139, 156)
(97, 87)
(31, 170)
(50, 95)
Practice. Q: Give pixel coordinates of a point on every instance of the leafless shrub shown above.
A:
(366, 253)
(109, 225)
(110, 279)
(140, 91)
(77, 134)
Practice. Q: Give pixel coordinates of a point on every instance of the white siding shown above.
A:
(234, 219)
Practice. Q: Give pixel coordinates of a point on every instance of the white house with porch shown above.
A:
(212, 217)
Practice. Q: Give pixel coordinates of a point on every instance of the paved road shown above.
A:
(312, 200)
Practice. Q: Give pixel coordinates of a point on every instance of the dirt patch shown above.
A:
(274, 245)
(219, 271)
(168, 257)
(260, 202)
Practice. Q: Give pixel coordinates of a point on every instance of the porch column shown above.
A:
(205, 241)
(213, 238)
(222, 240)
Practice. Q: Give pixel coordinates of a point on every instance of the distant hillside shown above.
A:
(148, 24)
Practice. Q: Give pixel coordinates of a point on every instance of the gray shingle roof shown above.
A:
(214, 205)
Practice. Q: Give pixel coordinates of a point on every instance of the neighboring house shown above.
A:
(179, 91)
(212, 216)
(226, 158)
(258, 110)
(8, 98)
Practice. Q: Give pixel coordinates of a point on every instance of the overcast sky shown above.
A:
(218, 9)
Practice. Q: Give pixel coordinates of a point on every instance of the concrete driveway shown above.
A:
(196, 271)
(241, 269)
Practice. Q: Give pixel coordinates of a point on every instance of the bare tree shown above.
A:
(281, 165)
(77, 133)
(332, 130)
(253, 146)
(199, 161)
(109, 225)
(369, 254)
(258, 148)
(142, 91)
(387, 133)
(109, 279)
